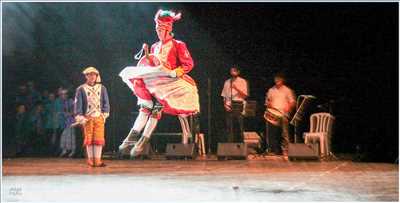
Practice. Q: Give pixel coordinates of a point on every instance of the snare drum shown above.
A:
(237, 107)
(273, 116)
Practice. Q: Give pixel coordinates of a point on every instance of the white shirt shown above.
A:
(280, 98)
(240, 83)
(162, 50)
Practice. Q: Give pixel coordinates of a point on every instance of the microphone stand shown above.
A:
(298, 116)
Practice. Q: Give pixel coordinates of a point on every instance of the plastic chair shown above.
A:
(320, 131)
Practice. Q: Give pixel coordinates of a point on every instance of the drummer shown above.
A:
(279, 102)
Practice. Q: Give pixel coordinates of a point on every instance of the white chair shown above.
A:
(320, 131)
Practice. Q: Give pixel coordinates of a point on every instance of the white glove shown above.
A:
(105, 116)
(81, 119)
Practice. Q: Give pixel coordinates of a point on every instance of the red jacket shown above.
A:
(174, 54)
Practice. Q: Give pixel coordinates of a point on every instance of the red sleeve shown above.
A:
(184, 57)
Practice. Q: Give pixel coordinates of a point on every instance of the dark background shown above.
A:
(346, 54)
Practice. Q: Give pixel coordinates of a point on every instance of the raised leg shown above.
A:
(148, 131)
(134, 134)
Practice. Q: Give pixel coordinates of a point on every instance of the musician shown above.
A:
(281, 99)
(234, 94)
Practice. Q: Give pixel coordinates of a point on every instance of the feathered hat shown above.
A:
(165, 19)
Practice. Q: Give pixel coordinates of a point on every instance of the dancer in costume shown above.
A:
(92, 109)
(161, 83)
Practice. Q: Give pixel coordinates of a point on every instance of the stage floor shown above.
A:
(54, 179)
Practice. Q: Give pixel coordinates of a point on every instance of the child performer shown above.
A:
(91, 110)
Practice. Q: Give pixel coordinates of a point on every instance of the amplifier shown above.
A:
(303, 151)
(232, 150)
(178, 150)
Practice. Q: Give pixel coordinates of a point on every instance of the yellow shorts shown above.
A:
(93, 130)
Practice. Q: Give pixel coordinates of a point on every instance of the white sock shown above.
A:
(140, 121)
(97, 151)
(89, 151)
(150, 126)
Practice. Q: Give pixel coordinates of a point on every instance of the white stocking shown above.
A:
(90, 151)
(97, 151)
(150, 126)
(140, 121)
